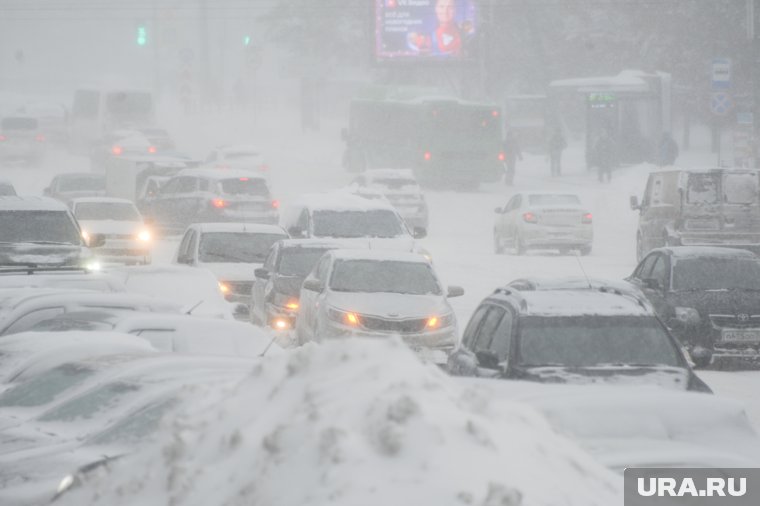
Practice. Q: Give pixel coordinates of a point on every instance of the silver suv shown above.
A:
(543, 221)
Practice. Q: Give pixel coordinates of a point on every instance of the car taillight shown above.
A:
(39, 138)
(117, 150)
(219, 203)
(275, 204)
(502, 156)
(495, 113)
(2, 138)
(530, 218)
(152, 150)
(587, 218)
(427, 156)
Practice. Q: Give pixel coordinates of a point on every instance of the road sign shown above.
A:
(721, 73)
(720, 103)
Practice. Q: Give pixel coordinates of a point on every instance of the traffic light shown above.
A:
(142, 35)
(247, 40)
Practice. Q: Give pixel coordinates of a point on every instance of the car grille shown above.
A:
(240, 287)
(400, 326)
(119, 236)
(739, 321)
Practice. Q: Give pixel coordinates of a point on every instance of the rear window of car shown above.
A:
(84, 183)
(244, 186)
(740, 189)
(394, 183)
(19, 124)
(553, 200)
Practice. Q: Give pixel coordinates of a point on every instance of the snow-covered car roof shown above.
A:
(566, 302)
(680, 252)
(35, 351)
(374, 174)
(377, 255)
(100, 200)
(222, 174)
(17, 203)
(310, 243)
(65, 280)
(250, 228)
(572, 283)
(340, 201)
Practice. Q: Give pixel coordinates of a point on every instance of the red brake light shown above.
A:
(495, 113)
(244, 179)
(502, 156)
(427, 155)
(152, 150)
(2, 137)
(587, 218)
(276, 204)
(219, 203)
(117, 150)
(40, 138)
(530, 218)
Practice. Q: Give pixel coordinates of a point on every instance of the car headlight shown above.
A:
(224, 288)
(144, 236)
(347, 318)
(86, 237)
(439, 322)
(93, 266)
(65, 483)
(286, 301)
(687, 315)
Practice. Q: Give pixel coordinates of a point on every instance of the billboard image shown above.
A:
(413, 30)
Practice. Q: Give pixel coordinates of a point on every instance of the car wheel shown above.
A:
(497, 246)
(585, 250)
(519, 245)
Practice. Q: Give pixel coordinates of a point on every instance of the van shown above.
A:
(95, 112)
(703, 207)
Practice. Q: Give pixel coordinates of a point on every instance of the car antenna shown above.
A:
(192, 308)
(580, 264)
(268, 345)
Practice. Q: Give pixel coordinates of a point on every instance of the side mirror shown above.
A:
(487, 359)
(313, 285)
(96, 241)
(652, 283)
(419, 233)
(296, 232)
(261, 273)
(455, 291)
(635, 203)
(498, 210)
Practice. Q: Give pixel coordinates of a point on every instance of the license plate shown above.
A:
(741, 335)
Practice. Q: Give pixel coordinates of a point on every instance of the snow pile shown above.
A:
(356, 422)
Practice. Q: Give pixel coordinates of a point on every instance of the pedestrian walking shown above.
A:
(556, 145)
(512, 153)
(605, 155)
(667, 150)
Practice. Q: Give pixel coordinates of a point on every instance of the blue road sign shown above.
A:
(720, 103)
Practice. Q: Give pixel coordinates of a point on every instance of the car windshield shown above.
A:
(84, 183)
(716, 274)
(245, 186)
(88, 405)
(106, 211)
(236, 247)
(594, 340)
(553, 200)
(394, 183)
(38, 226)
(387, 276)
(299, 261)
(135, 427)
(45, 387)
(18, 124)
(347, 224)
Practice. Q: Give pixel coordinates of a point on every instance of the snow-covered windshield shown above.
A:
(236, 247)
(83, 183)
(106, 211)
(87, 405)
(245, 186)
(592, 340)
(372, 276)
(38, 226)
(740, 189)
(347, 224)
(45, 387)
(716, 274)
(394, 183)
(241, 155)
(299, 261)
(553, 200)
(135, 427)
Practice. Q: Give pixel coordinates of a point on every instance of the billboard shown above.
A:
(415, 30)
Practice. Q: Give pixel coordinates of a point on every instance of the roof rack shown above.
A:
(33, 268)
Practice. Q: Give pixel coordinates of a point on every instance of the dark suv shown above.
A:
(713, 207)
(567, 334)
(709, 297)
(277, 287)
